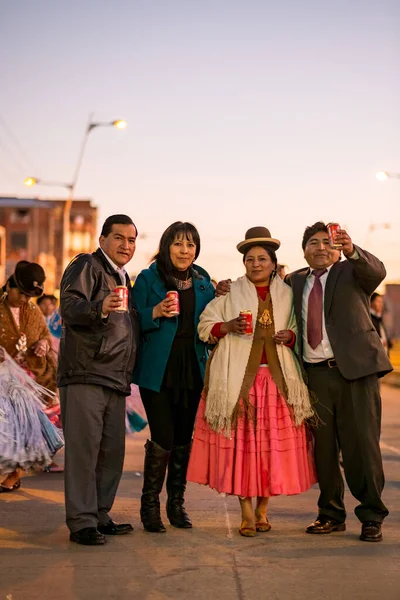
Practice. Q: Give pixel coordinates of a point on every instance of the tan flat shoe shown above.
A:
(263, 527)
(246, 531)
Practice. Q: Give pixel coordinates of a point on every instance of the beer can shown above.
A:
(247, 314)
(333, 229)
(122, 292)
(176, 308)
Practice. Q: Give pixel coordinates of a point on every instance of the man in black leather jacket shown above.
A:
(96, 360)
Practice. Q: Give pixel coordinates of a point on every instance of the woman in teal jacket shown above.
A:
(170, 368)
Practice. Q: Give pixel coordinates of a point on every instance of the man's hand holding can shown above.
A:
(346, 244)
(111, 303)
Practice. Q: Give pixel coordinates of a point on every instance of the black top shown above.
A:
(379, 326)
(183, 372)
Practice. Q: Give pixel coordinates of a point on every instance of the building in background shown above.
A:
(34, 232)
(2, 256)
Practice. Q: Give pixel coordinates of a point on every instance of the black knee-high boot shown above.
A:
(155, 465)
(176, 486)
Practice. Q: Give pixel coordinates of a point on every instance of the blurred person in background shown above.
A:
(377, 309)
(25, 336)
(281, 270)
(48, 305)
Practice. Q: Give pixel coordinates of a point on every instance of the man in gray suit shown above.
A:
(342, 357)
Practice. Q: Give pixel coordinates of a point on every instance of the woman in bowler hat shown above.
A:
(250, 436)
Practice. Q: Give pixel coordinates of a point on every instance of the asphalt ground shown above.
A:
(212, 560)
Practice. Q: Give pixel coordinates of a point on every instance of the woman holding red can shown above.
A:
(170, 296)
(250, 437)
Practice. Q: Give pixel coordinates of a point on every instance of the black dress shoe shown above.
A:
(112, 528)
(325, 525)
(371, 531)
(88, 536)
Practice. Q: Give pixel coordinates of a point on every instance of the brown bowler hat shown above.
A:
(258, 235)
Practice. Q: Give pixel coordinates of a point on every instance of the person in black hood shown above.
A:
(97, 356)
(377, 311)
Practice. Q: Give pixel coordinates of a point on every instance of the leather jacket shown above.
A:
(94, 350)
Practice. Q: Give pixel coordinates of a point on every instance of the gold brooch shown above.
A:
(21, 344)
(265, 319)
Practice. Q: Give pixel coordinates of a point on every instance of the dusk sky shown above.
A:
(240, 113)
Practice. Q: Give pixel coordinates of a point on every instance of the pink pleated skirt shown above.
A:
(267, 456)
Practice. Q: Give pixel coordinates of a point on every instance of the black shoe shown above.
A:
(371, 531)
(112, 528)
(155, 466)
(325, 525)
(176, 487)
(88, 536)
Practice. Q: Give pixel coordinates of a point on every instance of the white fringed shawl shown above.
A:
(229, 361)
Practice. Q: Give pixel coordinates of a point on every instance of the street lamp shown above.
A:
(120, 124)
(384, 175)
(30, 181)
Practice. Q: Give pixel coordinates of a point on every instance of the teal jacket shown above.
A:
(158, 335)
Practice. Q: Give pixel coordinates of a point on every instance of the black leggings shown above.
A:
(171, 424)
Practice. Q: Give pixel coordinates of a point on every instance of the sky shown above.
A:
(240, 113)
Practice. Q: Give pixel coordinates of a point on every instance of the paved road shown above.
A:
(210, 561)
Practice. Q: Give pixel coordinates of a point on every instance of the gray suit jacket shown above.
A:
(356, 345)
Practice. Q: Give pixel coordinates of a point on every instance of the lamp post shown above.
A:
(30, 181)
(384, 175)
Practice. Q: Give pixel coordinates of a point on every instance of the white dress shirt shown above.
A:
(120, 270)
(324, 349)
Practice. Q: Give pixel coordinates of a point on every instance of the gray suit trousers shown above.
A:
(93, 419)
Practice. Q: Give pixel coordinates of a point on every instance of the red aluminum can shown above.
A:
(122, 292)
(333, 229)
(247, 314)
(176, 307)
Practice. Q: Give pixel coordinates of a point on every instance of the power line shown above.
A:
(22, 157)
(6, 173)
(7, 156)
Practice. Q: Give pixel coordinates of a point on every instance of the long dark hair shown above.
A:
(179, 229)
